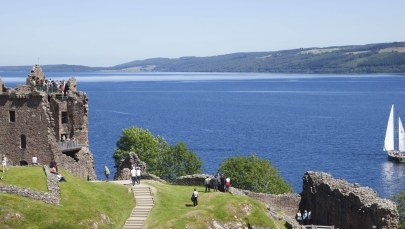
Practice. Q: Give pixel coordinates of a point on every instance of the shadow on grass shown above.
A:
(189, 205)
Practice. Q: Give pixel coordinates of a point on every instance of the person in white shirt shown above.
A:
(4, 163)
(34, 160)
(133, 175)
(194, 197)
(138, 175)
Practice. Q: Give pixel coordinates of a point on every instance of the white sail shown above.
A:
(401, 136)
(389, 135)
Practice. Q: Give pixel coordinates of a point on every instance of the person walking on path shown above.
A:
(106, 172)
(194, 197)
(133, 176)
(138, 174)
(309, 217)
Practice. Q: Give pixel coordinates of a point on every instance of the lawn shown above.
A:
(83, 204)
(174, 209)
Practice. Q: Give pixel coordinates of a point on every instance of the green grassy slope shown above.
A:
(174, 209)
(107, 205)
(83, 204)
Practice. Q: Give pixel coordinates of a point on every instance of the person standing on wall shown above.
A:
(133, 176)
(138, 174)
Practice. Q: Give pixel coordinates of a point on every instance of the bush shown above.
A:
(254, 174)
(399, 199)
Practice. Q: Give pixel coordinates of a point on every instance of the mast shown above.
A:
(401, 136)
(389, 134)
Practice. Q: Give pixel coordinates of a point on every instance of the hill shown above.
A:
(373, 58)
(357, 59)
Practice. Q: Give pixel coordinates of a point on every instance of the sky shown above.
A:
(107, 33)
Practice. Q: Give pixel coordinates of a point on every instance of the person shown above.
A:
(133, 175)
(53, 166)
(215, 183)
(60, 177)
(106, 172)
(34, 160)
(194, 197)
(227, 184)
(4, 163)
(304, 217)
(309, 217)
(299, 217)
(222, 184)
(207, 184)
(138, 174)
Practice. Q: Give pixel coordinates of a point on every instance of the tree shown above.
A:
(399, 199)
(177, 161)
(140, 141)
(254, 174)
(162, 159)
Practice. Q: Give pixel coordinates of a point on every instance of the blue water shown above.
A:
(329, 123)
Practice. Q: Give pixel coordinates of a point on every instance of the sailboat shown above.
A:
(394, 154)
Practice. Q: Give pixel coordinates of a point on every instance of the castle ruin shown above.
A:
(46, 119)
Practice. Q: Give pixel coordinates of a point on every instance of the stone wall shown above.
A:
(193, 180)
(50, 197)
(344, 205)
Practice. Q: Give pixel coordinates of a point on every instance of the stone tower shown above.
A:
(49, 120)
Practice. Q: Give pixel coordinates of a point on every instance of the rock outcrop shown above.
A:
(124, 169)
(344, 205)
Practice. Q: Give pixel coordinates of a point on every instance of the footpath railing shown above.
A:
(318, 227)
(70, 145)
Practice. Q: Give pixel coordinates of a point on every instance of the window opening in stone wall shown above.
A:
(23, 163)
(12, 116)
(64, 117)
(23, 143)
(41, 117)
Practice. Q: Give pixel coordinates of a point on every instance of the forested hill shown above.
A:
(372, 58)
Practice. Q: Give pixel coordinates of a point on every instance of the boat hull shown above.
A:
(396, 159)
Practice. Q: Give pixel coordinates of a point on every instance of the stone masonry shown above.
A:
(47, 119)
(344, 205)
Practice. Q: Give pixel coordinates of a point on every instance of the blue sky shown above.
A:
(106, 33)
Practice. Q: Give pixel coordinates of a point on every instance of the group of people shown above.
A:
(305, 218)
(135, 175)
(50, 86)
(219, 182)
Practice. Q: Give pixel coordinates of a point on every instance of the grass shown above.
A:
(174, 209)
(107, 205)
(83, 204)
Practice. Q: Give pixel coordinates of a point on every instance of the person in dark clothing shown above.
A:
(215, 183)
(53, 165)
(222, 185)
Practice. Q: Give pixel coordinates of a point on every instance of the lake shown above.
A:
(330, 123)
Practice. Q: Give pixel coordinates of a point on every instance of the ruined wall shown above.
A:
(123, 170)
(344, 205)
(36, 116)
(31, 121)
